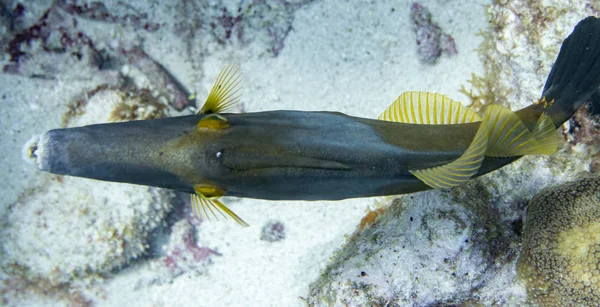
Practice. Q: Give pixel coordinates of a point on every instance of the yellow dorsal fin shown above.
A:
(459, 170)
(414, 107)
(205, 202)
(508, 136)
(225, 92)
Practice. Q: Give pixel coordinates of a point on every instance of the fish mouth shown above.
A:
(31, 151)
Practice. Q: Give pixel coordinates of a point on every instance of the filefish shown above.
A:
(421, 141)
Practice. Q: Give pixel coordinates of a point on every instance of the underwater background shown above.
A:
(80, 242)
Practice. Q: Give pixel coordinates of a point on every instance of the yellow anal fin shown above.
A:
(508, 136)
(459, 170)
(205, 202)
(213, 121)
(414, 107)
(225, 92)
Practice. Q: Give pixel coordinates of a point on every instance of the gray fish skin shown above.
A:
(270, 155)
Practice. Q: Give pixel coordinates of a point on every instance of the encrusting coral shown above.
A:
(560, 259)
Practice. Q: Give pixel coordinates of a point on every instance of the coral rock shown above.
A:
(560, 260)
(421, 251)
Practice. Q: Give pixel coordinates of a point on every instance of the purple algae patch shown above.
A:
(273, 231)
(431, 40)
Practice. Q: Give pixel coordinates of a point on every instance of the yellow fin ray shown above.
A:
(545, 134)
(501, 134)
(459, 170)
(205, 202)
(414, 107)
(225, 92)
(509, 137)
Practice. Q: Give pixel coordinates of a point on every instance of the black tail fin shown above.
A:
(575, 75)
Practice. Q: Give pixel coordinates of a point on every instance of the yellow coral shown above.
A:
(579, 245)
(560, 260)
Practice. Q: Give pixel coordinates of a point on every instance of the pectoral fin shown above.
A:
(226, 91)
(223, 95)
(205, 202)
(415, 107)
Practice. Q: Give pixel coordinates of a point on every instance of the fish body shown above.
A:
(423, 140)
(269, 155)
(277, 155)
